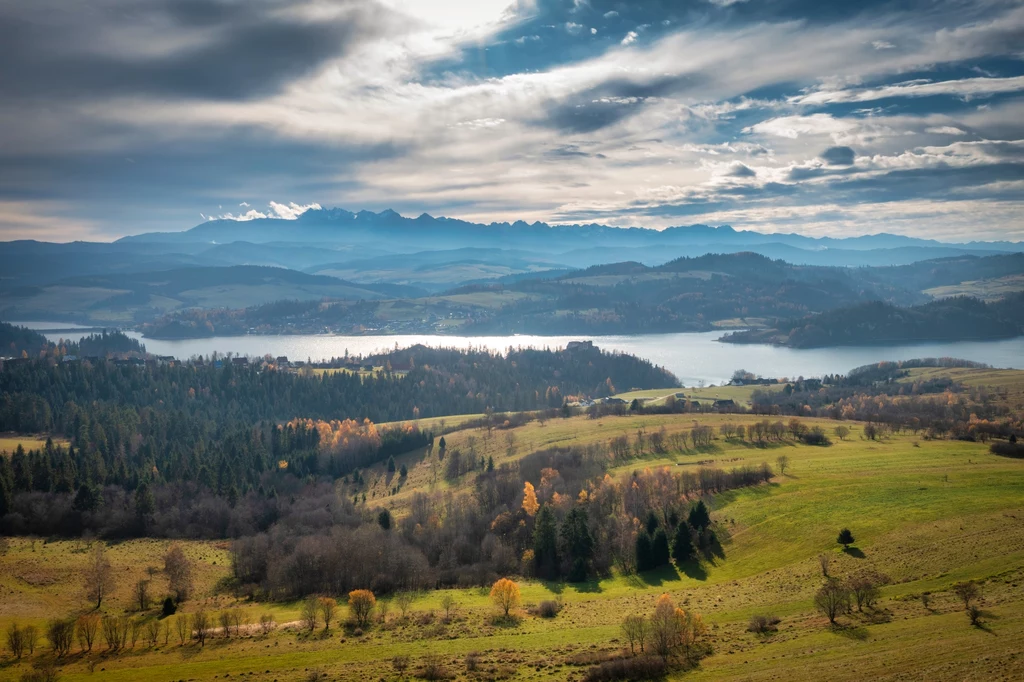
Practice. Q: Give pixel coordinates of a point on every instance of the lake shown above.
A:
(694, 358)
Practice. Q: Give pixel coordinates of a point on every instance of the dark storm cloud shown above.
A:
(839, 156)
(218, 49)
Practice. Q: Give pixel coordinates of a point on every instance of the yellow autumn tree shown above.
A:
(360, 604)
(530, 504)
(505, 595)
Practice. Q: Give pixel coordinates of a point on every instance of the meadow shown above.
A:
(925, 513)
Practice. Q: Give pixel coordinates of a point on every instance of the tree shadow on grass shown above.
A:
(855, 632)
(855, 552)
(982, 623)
(694, 570)
(659, 576)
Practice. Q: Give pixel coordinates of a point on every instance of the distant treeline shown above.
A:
(19, 342)
(959, 318)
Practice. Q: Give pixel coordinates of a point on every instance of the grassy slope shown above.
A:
(9, 442)
(926, 514)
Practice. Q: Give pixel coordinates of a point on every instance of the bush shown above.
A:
(815, 436)
(433, 669)
(1007, 449)
(169, 608)
(633, 668)
(763, 624)
(548, 608)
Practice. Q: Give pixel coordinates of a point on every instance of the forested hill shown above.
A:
(44, 396)
(959, 318)
(17, 342)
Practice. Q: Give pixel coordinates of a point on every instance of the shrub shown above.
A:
(1007, 449)
(633, 668)
(168, 608)
(548, 608)
(763, 624)
(845, 538)
(472, 661)
(433, 669)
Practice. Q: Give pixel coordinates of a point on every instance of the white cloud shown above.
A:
(882, 45)
(630, 38)
(572, 28)
(965, 88)
(289, 211)
(795, 126)
(944, 130)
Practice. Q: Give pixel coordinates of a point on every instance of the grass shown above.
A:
(985, 289)
(739, 394)
(925, 513)
(9, 442)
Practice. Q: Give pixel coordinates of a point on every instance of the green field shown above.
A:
(9, 442)
(925, 513)
(739, 394)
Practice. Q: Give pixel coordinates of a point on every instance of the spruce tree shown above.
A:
(644, 560)
(545, 543)
(659, 548)
(845, 538)
(700, 517)
(682, 544)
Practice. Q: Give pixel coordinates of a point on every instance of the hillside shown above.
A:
(875, 323)
(926, 514)
(131, 297)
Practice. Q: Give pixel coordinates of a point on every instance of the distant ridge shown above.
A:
(336, 225)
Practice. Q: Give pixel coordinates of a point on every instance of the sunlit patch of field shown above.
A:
(9, 442)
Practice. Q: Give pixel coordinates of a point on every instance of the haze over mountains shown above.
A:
(382, 272)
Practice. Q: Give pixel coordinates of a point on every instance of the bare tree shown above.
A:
(310, 611)
(134, 630)
(31, 635)
(783, 463)
(832, 599)
(152, 632)
(403, 600)
(825, 561)
(267, 624)
(183, 627)
(142, 594)
(201, 626)
(178, 569)
(87, 627)
(864, 589)
(98, 576)
(635, 629)
(16, 640)
(967, 592)
(225, 623)
(61, 633)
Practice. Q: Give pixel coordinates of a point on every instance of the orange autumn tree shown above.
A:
(674, 631)
(530, 504)
(360, 604)
(505, 595)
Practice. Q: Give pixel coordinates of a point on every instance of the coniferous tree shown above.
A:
(659, 548)
(545, 543)
(845, 538)
(644, 558)
(682, 545)
(700, 517)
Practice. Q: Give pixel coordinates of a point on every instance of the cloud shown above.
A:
(795, 126)
(966, 88)
(140, 114)
(174, 48)
(740, 170)
(289, 211)
(839, 156)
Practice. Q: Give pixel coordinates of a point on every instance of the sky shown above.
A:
(822, 118)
